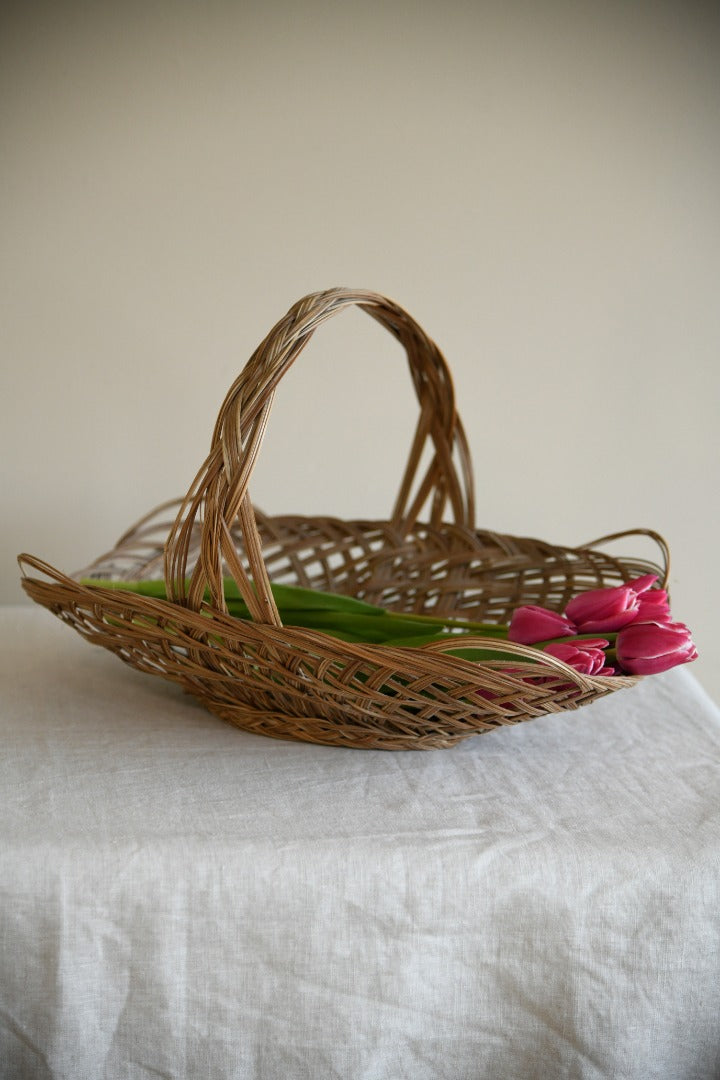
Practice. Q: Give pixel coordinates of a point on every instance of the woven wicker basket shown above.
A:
(292, 683)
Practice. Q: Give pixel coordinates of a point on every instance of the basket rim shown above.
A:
(430, 657)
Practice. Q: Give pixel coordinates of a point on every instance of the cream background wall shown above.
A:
(538, 184)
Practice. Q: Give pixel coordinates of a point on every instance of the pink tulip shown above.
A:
(586, 656)
(530, 624)
(653, 607)
(604, 611)
(646, 648)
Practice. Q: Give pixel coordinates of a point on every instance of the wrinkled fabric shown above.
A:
(179, 898)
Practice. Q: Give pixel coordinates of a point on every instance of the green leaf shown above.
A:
(384, 624)
(287, 597)
(334, 614)
(296, 598)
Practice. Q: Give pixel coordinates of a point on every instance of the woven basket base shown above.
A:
(318, 730)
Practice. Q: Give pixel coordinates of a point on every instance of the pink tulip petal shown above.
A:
(647, 648)
(530, 624)
(609, 610)
(581, 655)
(608, 625)
(603, 609)
(642, 584)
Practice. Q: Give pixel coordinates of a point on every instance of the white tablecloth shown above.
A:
(183, 899)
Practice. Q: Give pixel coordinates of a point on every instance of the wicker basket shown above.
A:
(292, 683)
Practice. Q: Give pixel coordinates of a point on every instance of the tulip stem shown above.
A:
(569, 639)
(315, 609)
(487, 629)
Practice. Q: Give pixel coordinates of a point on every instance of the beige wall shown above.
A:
(538, 184)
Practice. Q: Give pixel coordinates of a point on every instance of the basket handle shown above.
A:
(664, 568)
(219, 492)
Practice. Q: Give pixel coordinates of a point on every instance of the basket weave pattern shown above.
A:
(294, 683)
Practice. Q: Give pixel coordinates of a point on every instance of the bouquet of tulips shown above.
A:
(626, 629)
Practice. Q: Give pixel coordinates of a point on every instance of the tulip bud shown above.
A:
(605, 611)
(586, 656)
(647, 648)
(530, 624)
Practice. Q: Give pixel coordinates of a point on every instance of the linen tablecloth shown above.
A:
(183, 899)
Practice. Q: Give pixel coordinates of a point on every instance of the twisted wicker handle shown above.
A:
(663, 568)
(220, 489)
